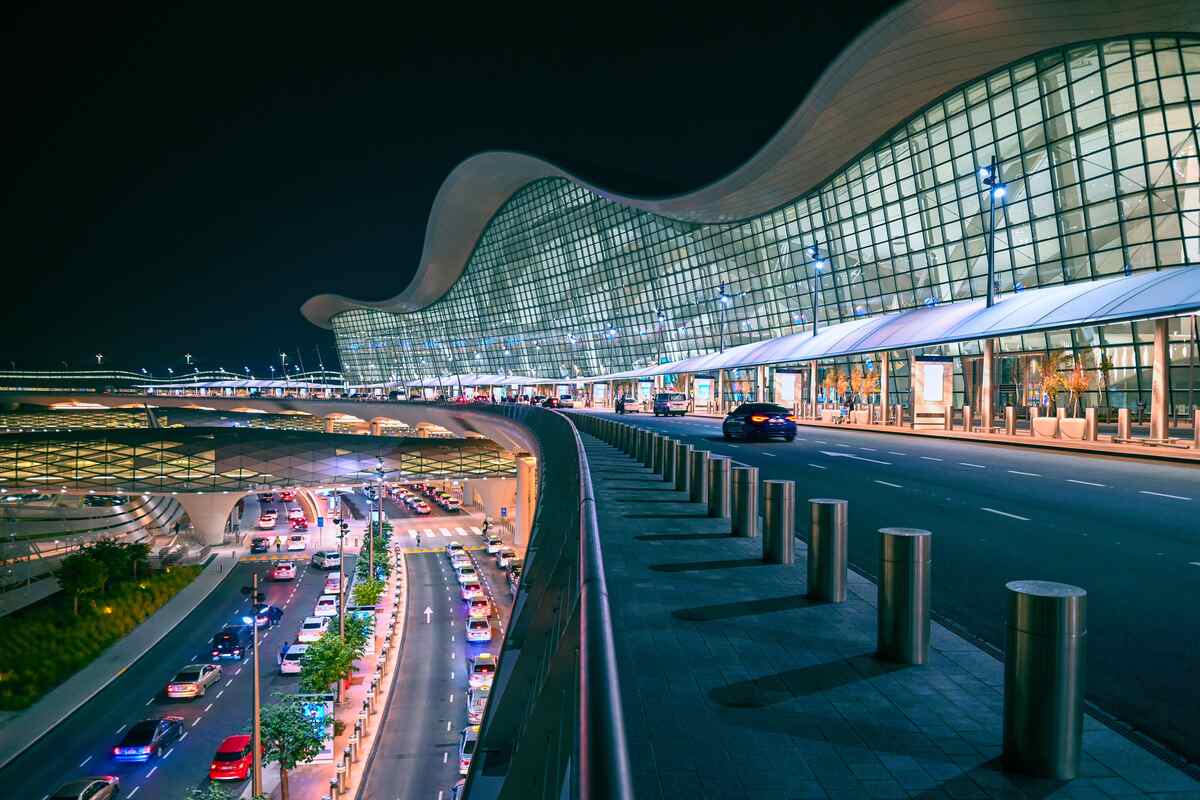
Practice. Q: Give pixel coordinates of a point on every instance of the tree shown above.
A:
(1077, 383)
(367, 592)
(325, 662)
(209, 791)
(139, 557)
(289, 737)
(358, 631)
(79, 573)
(112, 555)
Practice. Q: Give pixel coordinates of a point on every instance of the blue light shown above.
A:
(985, 173)
(247, 620)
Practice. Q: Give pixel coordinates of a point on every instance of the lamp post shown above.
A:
(256, 697)
(990, 177)
(187, 357)
(819, 264)
(343, 529)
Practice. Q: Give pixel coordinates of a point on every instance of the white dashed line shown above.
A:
(1087, 483)
(765, 453)
(896, 453)
(868, 449)
(196, 721)
(208, 708)
(228, 683)
(166, 755)
(1168, 496)
(445, 758)
(893, 485)
(817, 466)
(123, 727)
(1026, 474)
(447, 724)
(452, 697)
(86, 760)
(151, 700)
(135, 791)
(220, 693)
(1004, 514)
(930, 458)
(969, 464)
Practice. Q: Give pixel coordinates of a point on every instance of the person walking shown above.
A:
(278, 543)
(283, 651)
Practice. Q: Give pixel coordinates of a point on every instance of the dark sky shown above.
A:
(182, 180)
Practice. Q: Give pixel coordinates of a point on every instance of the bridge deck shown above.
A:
(734, 685)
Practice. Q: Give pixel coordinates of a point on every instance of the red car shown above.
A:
(233, 759)
(299, 525)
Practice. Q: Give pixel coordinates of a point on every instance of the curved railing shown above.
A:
(554, 727)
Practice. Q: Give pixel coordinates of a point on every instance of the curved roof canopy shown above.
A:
(1141, 296)
(911, 56)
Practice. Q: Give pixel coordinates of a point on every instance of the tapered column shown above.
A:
(986, 399)
(812, 389)
(761, 390)
(208, 513)
(884, 359)
(1160, 384)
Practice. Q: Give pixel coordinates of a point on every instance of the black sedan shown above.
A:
(759, 421)
(146, 739)
(265, 615)
(260, 544)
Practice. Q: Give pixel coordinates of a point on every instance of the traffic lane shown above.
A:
(1070, 533)
(82, 744)
(417, 748)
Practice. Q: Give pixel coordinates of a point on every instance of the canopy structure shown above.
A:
(1143, 295)
(236, 384)
(483, 380)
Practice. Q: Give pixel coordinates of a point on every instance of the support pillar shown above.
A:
(208, 513)
(527, 491)
(884, 360)
(375, 427)
(720, 391)
(760, 391)
(812, 390)
(987, 400)
(1160, 384)
(329, 424)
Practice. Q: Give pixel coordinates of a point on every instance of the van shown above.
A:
(467, 740)
(669, 404)
(326, 559)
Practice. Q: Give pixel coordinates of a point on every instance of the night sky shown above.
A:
(182, 181)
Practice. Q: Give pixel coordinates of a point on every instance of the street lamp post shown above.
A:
(256, 782)
(819, 264)
(990, 177)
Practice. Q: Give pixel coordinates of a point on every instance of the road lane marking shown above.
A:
(1026, 474)
(856, 458)
(135, 791)
(447, 724)
(207, 708)
(228, 683)
(817, 466)
(765, 453)
(1004, 514)
(151, 700)
(81, 763)
(969, 464)
(930, 458)
(1087, 483)
(166, 756)
(896, 453)
(1168, 496)
(220, 693)
(196, 721)
(123, 727)
(181, 738)
(445, 757)
(193, 658)
(452, 697)
(893, 485)
(868, 449)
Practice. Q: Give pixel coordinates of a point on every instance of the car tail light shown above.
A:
(758, 418)
(791, 418)
(116, 751)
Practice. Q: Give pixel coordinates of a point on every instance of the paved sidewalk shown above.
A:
(20, 729)
(735, 685)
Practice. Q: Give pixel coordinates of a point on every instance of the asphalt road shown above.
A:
(82, 744)
(418, 751)
(1127, 530)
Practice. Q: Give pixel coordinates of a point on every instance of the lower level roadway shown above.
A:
(417, 755)
(1126, 530)
(82, 745)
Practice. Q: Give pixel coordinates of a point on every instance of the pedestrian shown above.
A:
(418, 538)
(278, 543)
(283, 651)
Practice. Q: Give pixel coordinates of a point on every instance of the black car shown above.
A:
(146, 739)
(233, 641)
(514, 571)
(759, 421)
(260, 544)
(265, 615)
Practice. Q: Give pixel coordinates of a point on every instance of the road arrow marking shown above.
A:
(856, 458)
(428, 612)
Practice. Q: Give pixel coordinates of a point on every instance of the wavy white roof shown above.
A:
(911, 56)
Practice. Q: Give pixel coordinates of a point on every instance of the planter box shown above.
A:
(1073, 428)
(1045, 427)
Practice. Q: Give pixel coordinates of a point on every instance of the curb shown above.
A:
(102, 685)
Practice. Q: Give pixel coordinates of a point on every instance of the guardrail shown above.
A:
(554, 727)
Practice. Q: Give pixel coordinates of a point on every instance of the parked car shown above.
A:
(233, 758)
(477, 700)
(467, 574)
(193, 680)
(470, 590)
(514, 576)
(327, 606)
(493, 543)
(283, 571)
(146, 739)
(311, 629)
(99, 787)
(232, 641)
(479, 630)
(505, 555)
(296, 542)
(289, 662)
(326, 559)
(466, 747)
(759, 421)
(667, 404)
(333, 584)
(480, 608)
(453, 547)
(481, 670)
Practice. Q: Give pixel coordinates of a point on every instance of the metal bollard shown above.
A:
(1089, 424)
(1010, 420)
(1124, 430)
(335, 788)
(903, 614)
(719, 489)
(827, 549)
(898, 416)
(683, 467)
(645, 451)
(779, 522)
(353, 741)
(948, 423)
(1045, 660)
(1196, 429)
(744, 485)
(968, 423)
(656, 454)
(340, 771)
(698, 466)
(668, 464)
(636, 452)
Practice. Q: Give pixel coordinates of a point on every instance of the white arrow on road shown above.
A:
(428, 614)
(856, 458)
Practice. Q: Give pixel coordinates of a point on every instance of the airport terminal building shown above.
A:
(877, 197)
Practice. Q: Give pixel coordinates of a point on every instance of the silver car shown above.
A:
(101, 787)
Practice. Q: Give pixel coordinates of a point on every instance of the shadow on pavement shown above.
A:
(666, 515)
(697, 566)
(770, 690)
(744, 608)
(680, 537)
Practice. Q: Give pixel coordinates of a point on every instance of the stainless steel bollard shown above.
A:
(948, 424)
(779, 522)
(1124, 429)
(642, 445)
(904, 555)
(1010, 420)
(1045, 659)
(827, 549)
(1089, 424)
(660, 447)
(668, 463)
(968, 423)
(698, 467)
(1196, 429)
(744, 483)
(719, 487)
(683, 467)
(648, 448)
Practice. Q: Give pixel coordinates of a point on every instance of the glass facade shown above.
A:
(1096, 142)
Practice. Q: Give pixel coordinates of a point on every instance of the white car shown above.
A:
(296, 542)
(327, 606)
(467, 574)
(466, 748)
(295, 512)
(480, 608)
(266, 522)
(479, 630)
(505, 556)
(460, 560)
(289, 664)
(477, 700)
(333, 584)
(566, 401)
(481, 670)
(454, 547)
(283, 571)
(493, 543)
(311, 629)
(326, 559)
(469, 591)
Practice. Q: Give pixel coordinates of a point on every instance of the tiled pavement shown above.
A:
(734, 685)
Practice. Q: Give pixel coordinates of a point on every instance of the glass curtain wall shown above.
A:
(1097, 144)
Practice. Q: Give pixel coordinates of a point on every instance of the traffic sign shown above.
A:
(503, 512)
(320, 522)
